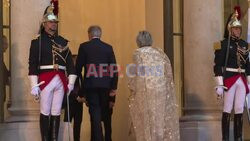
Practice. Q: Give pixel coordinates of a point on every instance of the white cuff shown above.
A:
(33, 80)
(72, 78)
(219, 80)
(248, 79)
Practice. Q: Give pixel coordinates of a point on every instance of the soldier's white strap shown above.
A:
(235, 70)
(44, 67)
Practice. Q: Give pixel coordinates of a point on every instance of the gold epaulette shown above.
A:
(36, 37)
(217, 45)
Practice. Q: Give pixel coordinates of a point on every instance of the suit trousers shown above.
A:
(99, 110)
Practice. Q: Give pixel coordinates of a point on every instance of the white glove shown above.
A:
(35, 90)
(219, 90)
(70, 88)
(72, 79)
(248, 101)
(248, 80)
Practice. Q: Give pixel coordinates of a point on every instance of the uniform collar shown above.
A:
(49, 35)
(234, 38)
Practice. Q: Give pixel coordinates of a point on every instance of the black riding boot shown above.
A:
(54, 125)
(238, 120)
(225, 124)
(44, 127)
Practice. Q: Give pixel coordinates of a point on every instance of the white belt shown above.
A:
(56, 67)
(235, 70)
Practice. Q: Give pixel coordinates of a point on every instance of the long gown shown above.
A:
(152, 102)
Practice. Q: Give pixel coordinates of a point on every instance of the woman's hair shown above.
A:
(144, 38)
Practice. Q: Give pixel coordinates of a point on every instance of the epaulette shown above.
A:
(217, 45)
(36, 37)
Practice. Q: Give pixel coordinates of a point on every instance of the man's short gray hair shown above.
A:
(144, 38)
(95, 31)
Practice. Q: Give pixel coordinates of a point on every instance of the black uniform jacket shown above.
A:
(238, 58)
(53, 50)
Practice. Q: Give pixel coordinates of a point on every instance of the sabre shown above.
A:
(37, 97)
(68, 114)
(226, 59)
(248, 114)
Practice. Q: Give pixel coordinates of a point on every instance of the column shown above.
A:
(22, 125)
(203, 25)
(25, 21)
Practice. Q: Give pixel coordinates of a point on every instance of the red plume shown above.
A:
(237, 8)
(55, 3)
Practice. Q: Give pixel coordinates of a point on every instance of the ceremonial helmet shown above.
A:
(234, 21)
(49, 14)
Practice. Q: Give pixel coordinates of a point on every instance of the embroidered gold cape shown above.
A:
(152, 103)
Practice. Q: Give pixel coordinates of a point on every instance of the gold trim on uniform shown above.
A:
(217, 45)
(56, 53)
(240, 52)
(36, 36)
(58, 47)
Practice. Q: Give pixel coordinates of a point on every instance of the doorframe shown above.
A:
(169, 35)
(1, 65)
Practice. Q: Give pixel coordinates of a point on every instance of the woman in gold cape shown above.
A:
(152, 103)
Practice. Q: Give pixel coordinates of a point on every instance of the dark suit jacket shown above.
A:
(95, 56)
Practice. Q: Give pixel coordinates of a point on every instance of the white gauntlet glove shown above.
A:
(72, 79)
(35, 90)
(248, 82)
(220, 86)
(219, 90)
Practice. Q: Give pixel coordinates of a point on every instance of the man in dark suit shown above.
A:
(100, 81)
